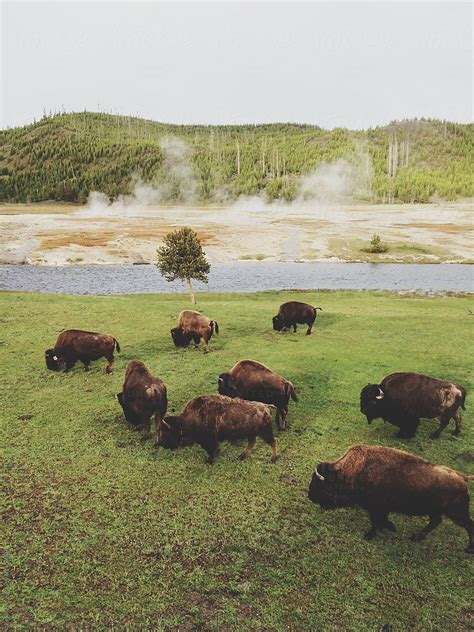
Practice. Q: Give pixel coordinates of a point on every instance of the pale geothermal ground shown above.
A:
(58, 234)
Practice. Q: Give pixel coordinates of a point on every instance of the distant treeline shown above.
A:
(64, 157)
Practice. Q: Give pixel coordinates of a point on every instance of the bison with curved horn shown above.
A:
(383, 480)
(403, 398)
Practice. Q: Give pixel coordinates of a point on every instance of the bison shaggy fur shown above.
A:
(383, 480)
(254, 381)
(193, 326)
(85, 346)
(295, 313)
(143, 395)
(403, 398)
(210, 419)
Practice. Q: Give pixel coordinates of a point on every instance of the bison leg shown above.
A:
(408, 428)
(378, 521)
(158, 426)
(294, 329)
(213, 453)
(460, 515)
(266, 434)
(252, 439)
(281, 417)
(110, 358)
(435, 520)
(69, 365)
(310, 327)
(457, 421)
(444, 421)
(87, 365)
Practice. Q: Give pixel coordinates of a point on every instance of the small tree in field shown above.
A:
(377, 245)
(182, 257)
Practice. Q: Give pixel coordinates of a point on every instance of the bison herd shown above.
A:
(381, 480)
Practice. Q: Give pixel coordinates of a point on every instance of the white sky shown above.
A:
(333, 64)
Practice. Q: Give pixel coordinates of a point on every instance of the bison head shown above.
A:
(328, 490)
(224, 385)
(170, 433)
(53, 362)
(130, 416)
(277, 323)
(372, 401)
(321, 487)
(180, 339)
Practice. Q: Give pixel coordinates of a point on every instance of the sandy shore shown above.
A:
(56, 234)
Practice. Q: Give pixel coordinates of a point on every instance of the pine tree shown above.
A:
(182, 257)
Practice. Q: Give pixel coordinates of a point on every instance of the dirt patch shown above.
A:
(442, 228)
(83, 239)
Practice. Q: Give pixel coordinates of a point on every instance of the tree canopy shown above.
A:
(182, 257)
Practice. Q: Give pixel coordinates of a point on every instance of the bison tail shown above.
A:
(463, 397)
(117, 346)
(290, 391)
(214, 326)
(468, 478)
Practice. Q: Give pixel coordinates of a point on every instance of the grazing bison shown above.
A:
(402, 398)
(193, 326)
(142, 396)
(73, 345)
(210, 419)
(293, 313)
(254, 381)
(384, 480)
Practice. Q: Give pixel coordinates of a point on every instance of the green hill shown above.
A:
(64, 157)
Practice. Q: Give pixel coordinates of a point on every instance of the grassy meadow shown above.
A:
(105, 530)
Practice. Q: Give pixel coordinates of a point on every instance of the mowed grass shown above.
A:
(105, 530)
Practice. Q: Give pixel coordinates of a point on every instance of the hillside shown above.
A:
(65, 157)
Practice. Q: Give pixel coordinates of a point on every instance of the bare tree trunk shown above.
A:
(191, 293)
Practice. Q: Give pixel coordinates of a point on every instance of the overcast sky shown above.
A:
(333, 64)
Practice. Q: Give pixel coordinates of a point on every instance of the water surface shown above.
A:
(240, 277)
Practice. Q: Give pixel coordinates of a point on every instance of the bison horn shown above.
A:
(165, 423)
(380, 395)
(320, 476)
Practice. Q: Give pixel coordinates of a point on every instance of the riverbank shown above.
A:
(250, 229)
(103, 530)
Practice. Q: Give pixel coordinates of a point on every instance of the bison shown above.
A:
(142, 396)
(73, 345)
(209, 419)
(292, 313)
(402, 398)
(193, 326)
(254, 381)
(384, 480)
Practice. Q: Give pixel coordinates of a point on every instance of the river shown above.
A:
(240, 277)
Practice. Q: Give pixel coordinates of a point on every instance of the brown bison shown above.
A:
(73, 345)
(402, 398)
(384, 480)
(254, 381)
(210, 419)
(193, 326)
(142, 396)
(292, 313)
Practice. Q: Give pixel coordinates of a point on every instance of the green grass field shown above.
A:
(104, 530)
